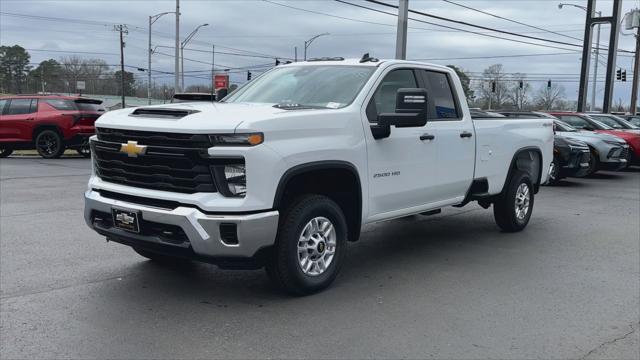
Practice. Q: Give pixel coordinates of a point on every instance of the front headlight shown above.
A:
(231, 178)
(250, 139)
(615, 143)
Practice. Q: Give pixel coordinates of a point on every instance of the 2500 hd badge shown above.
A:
(385, 174)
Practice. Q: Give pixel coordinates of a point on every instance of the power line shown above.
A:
(510, 20)
(470, 25)
(495, 56)
(458, 29)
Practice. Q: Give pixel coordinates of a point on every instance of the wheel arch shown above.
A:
(324, 177)
(46, 126)
(527, 159)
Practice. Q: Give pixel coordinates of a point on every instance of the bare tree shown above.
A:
(493, 88)
(519, 96)
(548, 97)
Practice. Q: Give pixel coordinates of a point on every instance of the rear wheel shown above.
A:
(310, 247)
(5, 152)
(512, 210)
(85, 151)
(554, 172)
(49, 144)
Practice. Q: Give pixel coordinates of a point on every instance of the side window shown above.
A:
(19, 107)
(34, 105)
(3, 102)
(441, 100)
(384, 99)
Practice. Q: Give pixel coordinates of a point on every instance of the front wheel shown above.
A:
(310, 246)
(512, 209)
(593, 163)
(49, 144)
(5, 152)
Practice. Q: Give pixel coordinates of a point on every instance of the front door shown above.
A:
(402, 167)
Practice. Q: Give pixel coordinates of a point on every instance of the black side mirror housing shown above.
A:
(411, 111)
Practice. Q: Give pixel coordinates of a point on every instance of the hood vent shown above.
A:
(163, 113)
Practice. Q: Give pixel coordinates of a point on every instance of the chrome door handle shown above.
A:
(427, 137)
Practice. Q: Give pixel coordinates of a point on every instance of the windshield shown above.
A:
(313, 86)
(608, 121)
(564, 127)
(601, 125)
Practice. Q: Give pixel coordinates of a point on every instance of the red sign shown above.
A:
(221, 81)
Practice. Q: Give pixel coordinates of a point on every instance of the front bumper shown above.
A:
(185, 230)
(575, 162)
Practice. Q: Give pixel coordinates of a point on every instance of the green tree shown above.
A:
(48, 76)
(14, 67)
(466, 82)
(129, 83)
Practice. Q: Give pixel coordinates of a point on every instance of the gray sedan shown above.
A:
(608, 152)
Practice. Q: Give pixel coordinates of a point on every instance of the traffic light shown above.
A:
(624, 76)
(549, 84)
(619, 74)
(493, 86)
(521, 84)
(248, 75)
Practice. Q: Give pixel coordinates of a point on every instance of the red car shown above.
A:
(584, 121)
(48, 123)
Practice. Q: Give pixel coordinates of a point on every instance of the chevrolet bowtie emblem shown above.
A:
(132, 149)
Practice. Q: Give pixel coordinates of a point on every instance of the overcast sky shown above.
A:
(264, 28)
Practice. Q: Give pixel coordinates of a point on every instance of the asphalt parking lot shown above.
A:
(443, 286)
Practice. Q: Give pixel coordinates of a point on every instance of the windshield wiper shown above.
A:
(294, 106)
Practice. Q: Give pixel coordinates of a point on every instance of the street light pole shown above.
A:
(597, 53)
(152, 19)
(308, 43)
(182, 46)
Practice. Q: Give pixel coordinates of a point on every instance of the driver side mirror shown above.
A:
(411, 111)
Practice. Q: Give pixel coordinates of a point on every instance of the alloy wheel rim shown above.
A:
(523, 198)
(48, 144)
(553, 170)
(317, 246)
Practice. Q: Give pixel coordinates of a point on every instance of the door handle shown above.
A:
(427, 137)
(30, 119)
(466, 134)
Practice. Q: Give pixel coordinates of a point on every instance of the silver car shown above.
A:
(608, 152)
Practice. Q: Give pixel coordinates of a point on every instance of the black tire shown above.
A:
(85, 151)
(5, 152)
(594, 163)
(285, 268)
(162, 259)
(505, 210)
(49, 144)
(554, 172)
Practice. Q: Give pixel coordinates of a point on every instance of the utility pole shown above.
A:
(152, 19)
(176, 86)
(295, 53)
(213, 70)
(636, 77)
(401, 35)
(123, 30)
(42, 77)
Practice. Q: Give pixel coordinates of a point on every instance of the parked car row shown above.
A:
(49, 124)
(585, 142)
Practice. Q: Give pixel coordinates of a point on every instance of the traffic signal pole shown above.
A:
(636, 77)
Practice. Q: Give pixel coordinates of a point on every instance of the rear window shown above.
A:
(441, 96)
(89, 107)
(82, 105)
(61, 104)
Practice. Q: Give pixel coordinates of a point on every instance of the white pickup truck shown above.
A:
(287, 169)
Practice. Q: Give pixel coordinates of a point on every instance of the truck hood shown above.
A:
(196, 117)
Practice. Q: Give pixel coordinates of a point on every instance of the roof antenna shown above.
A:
(366, 58)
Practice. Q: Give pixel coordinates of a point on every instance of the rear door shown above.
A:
(455, 136)
(18, 119)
